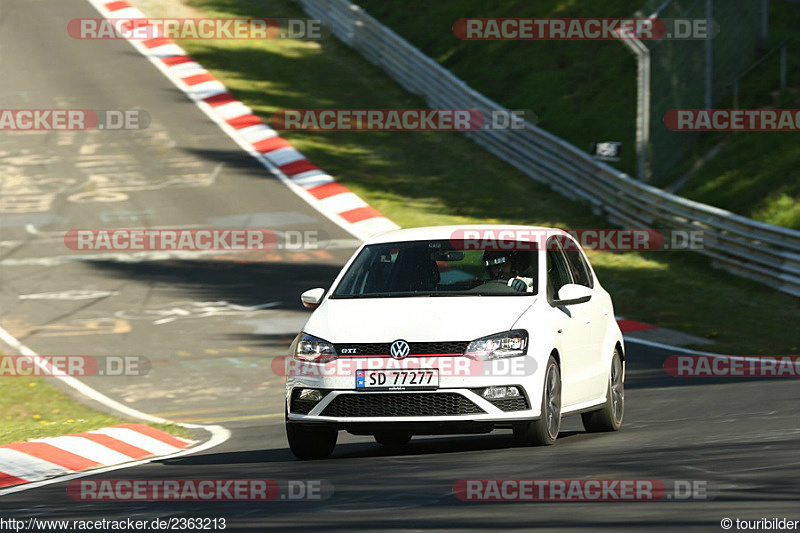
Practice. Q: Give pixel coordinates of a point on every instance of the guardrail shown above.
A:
(755, 250)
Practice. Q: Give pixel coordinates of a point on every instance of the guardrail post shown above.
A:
(642, 104)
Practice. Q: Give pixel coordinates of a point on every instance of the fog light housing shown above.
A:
(498, 393)
(311, 395)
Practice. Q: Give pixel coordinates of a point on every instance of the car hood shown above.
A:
(417, 319)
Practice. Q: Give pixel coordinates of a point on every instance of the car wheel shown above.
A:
(544, 431)
(310, 444)
(609, 418)
(392, 438)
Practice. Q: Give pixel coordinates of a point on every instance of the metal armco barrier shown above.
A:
(755, 250)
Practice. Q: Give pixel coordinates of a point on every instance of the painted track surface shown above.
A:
(211, 361)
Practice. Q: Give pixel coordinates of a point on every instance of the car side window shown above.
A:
(581, 274)
(558, 273)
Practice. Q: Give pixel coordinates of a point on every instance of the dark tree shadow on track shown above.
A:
(254, 283)
(241, 283)
(419, 446)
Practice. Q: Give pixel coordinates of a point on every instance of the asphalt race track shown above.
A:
(212, 324)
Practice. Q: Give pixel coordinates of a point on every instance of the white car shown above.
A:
(426, 331)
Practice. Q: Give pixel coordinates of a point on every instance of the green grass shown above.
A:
(582, 91)
(585, 91)
(765, 187)
(429, 178)
(757, 174)
(30, 408)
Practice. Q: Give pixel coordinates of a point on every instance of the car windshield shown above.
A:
(439, 268)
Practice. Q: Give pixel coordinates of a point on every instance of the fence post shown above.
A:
(708, 102)
(642, 104)
(643, 167)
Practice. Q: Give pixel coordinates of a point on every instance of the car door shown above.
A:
(595, 312)
(573, 325)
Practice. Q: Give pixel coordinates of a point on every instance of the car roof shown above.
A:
(525, 233)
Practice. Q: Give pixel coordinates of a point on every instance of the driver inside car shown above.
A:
(508, 267)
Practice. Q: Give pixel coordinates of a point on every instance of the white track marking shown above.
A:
(73, 295)
(663, 346)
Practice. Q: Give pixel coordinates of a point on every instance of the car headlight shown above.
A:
(500, 345)
(313, 349)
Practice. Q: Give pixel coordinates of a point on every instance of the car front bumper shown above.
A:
(422, 412)
(455, 406)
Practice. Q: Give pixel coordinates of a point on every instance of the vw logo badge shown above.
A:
(399, 349)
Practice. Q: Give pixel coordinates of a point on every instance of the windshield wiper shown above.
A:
(424, 295)
(379, 295)
(459, 293)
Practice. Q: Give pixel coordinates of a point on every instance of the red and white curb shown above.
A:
(36, 460)
(22, 467)
(631, 326)
(311, 183)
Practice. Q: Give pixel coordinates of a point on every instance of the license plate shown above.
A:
(397, 379)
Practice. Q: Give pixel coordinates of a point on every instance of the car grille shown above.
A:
(303, 407)
(421, 404)
(511, 404)
(417, 348)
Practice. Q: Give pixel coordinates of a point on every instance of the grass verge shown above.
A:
(757, 174)
(430, 178)
(584, 92)
(33, 409)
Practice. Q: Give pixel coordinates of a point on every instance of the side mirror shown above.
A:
(312, 297)
(572, 294)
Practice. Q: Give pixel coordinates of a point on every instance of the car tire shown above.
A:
(609, 418)
(310, 444)
(544, 431)
(392, 438)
